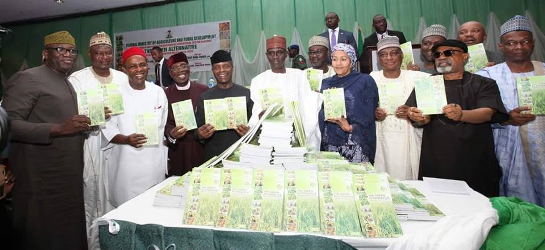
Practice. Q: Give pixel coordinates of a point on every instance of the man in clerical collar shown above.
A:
(215, 142)
(94, 172)
(290, 84)
(520, 140)
(472, 33)
(458, 144)
(431, 36)
(184, 151)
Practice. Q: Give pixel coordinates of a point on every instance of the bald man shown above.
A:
(472, 33)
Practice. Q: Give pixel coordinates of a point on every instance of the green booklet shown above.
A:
(377, 189)
(268, 200)
(430, 94)
(301, 202)
(338, 214)
(391, 96)
(203, 197)
(91, 104)
(531, 93)
(270, 96)
(236, 198)
(477, 58)
(146, 124)
(314, 77)
(225, 113)
(113, 99)
(407, 49)
(184, 114)
(334, 106)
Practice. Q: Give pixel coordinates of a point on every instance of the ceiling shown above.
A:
(22, 10)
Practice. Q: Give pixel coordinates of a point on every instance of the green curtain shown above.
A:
(249, 17)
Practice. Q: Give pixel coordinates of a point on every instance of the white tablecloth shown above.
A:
(140, 210)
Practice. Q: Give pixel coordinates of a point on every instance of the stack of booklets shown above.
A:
(276, 133)
(268, 200)
(237, 191)
(289, 155)
(256, 155)
(410, 204)
(301, 201)
(173, 195)
(203, 194)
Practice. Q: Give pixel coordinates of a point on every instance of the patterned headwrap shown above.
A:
(63, 37)
(349, 50)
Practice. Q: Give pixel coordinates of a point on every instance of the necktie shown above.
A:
(157, 74)
(333, 39)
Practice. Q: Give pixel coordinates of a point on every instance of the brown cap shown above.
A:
(276, 42)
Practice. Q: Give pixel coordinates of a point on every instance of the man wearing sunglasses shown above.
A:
(458, 144)
(520, 142)
(46, 150)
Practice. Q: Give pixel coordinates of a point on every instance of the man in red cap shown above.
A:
(290, 84)
(185, 152)
(138, 156)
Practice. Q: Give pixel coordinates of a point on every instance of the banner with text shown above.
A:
(197, 41)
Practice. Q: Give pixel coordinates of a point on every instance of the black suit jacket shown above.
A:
(372, 40)
(344, 37)
(165, 75)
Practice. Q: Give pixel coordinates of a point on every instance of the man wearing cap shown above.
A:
(215, 142)
(520, 141)
(472, 33)
(458, 144)
(398, 142)
(291, 84)
(162, 76)
(46, 150)
(431, 36)
(380, 25)
(95, 177)
(133, 167)
(185, 152)
(297, 61)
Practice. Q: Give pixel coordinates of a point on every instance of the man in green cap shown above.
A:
(47, 151)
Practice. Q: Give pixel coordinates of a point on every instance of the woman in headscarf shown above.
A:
(352, 136)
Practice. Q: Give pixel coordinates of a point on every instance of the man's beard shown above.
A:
(444, 69)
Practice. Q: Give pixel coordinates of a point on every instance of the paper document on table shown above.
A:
(446, 186)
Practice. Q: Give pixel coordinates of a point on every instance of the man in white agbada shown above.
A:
(132, 166)
(398, 142)
(291, 84)
(95, 177)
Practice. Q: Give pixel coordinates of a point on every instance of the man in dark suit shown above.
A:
(162, 75)
(335, 34)
(380, 25)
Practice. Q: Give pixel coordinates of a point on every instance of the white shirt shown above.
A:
(379, 36)
(336, 30)
(131, 171)
(293, 86)
(95, 174)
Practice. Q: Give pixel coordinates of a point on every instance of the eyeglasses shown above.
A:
(316, 52)
(447, 53)
(63, 51)
(179, 68)
(384, 55)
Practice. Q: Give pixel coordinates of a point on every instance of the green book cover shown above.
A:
(91, 104)
(338, 214)
(334, 106)
(301, 211)
(268, 200)
(314, 77)
(225, 113)
(113, 99)
(477, 58)
(203, 205)
(146, 124)
(236, 200)
(430, 94)
(407, 49)
(391, 96)
(531, 93)
(379, 196)
(270, 96)
(184, 114)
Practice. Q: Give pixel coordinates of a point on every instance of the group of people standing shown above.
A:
(482, 136)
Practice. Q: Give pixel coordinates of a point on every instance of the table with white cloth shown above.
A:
(140, 210)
